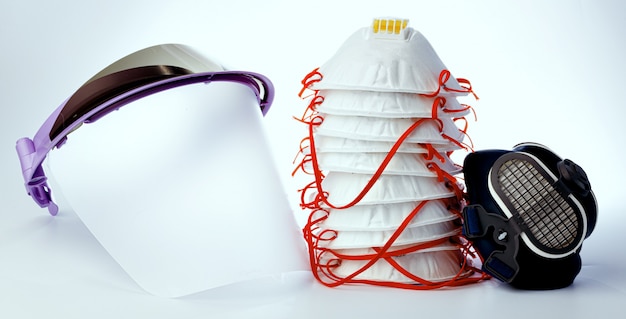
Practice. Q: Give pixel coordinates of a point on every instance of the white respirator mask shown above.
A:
(386, 216)
(436, 264)
(363, 63)
(400, 164)
(344, 145)
(430, 131)
(383, 120)
(389, 104)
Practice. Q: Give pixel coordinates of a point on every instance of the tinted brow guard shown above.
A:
(94, 93)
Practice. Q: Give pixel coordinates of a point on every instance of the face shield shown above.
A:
(529, 213)
(137, 75)
(179, 185)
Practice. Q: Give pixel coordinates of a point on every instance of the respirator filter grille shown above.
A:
(544, 211)
(531, 196)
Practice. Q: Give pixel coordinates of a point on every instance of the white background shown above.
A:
(545, 71)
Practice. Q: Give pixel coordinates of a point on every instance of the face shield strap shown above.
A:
(53, 133)
(503, 232)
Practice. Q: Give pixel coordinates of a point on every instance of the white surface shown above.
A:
(546, 71)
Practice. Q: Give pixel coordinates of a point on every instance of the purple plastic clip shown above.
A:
(34, 176)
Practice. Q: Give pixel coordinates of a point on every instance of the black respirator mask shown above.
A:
(528, 213)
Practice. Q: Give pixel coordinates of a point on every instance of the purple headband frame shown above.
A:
(32, 152)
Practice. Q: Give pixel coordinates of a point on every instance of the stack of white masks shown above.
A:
(384, 203)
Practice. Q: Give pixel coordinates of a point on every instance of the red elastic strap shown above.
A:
(467, 147)
(306, 158)
(431, 152)
(442, 175)
(373, 179)
(311, 110)
(438, 103)
(375, 258)
(465, 108)
(444, 76)
(465, 83)
(395, 253)
(308, 80)
(324, 260)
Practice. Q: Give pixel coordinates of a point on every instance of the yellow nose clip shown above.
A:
(390, 28)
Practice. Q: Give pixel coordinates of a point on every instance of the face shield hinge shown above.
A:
(39, 190)
(35, 179)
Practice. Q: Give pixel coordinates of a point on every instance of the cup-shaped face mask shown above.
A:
(400, 164)
(389, 104)
(350, 145)
(529, 213)
(431, 131)
(436, 264)
(399, 61)
(387, 217)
